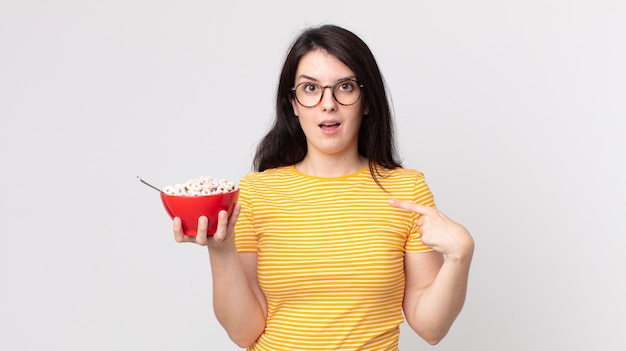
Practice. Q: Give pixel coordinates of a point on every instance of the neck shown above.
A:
(331, 166)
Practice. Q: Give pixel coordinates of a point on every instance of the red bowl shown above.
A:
(190, 208)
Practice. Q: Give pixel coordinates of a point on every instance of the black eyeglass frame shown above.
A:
(332, 91)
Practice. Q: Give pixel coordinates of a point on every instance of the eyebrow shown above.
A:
(304, 76)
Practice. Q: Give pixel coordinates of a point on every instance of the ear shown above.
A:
(294, 105)
(366, 110)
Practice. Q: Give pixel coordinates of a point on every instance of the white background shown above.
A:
(515, 110)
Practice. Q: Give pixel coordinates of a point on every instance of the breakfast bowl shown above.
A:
(190, 208)
(203, 196)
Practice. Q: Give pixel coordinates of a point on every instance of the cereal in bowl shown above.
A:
(201, 186)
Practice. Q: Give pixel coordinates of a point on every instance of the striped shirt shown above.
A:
(330, 255)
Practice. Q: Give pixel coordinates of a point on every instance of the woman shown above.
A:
(332, 240)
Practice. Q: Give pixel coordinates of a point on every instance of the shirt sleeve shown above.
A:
(245, 233)
(423, 196)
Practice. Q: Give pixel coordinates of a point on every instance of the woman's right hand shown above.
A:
(223, 237)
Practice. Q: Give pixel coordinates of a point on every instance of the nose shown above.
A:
(328, 102)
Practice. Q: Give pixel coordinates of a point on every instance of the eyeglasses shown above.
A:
(346, 92)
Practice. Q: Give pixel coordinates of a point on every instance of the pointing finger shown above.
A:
(411, 206)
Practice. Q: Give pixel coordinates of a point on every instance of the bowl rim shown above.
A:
(199, 196)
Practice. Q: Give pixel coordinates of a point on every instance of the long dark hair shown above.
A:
(285, 143)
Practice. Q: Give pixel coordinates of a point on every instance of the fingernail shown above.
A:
(203, 220)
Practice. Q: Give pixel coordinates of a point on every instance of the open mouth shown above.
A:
(329, 125)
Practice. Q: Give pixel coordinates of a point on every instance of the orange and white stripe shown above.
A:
(330, 255)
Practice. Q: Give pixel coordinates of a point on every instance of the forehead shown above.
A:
(322, 66)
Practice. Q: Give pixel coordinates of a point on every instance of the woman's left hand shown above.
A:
(438, 231)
